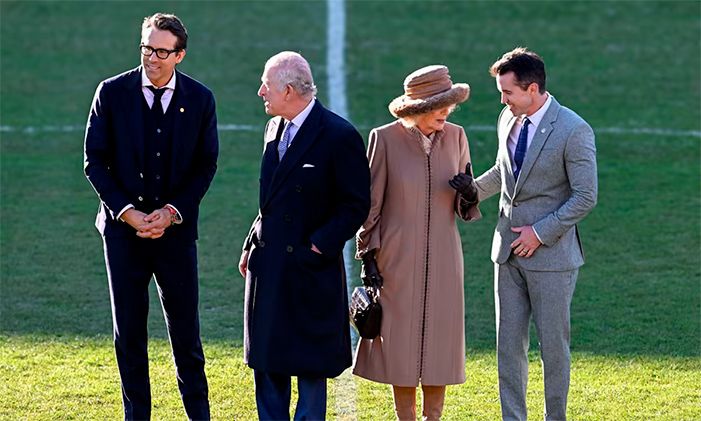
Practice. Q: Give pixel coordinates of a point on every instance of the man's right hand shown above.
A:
(243, 263)
(369, 273)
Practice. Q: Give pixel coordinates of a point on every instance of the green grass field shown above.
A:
(623, 66)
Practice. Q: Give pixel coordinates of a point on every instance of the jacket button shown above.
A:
(261, 243)
(298, 188)
(290, 249)
(287, 218)
(515, 204)
(141, 199)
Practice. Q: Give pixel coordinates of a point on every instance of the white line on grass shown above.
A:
(344, 386)
(640, 131)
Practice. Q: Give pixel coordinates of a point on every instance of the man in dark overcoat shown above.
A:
(314, 195)
(151, 151)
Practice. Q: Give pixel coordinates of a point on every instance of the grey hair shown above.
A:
(292, 69)
(409, 121)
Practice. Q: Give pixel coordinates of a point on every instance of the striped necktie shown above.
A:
(284, 141)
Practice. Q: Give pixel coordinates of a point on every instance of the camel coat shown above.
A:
(412, 227)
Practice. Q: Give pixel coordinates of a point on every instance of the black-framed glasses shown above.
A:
(161, 53)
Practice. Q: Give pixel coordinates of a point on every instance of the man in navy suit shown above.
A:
(314, 195)
(151, 151)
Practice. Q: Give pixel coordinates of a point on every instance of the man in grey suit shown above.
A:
(546, 173)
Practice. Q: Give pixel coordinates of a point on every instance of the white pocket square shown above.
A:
(307, 166)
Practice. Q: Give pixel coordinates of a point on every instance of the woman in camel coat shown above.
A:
(420, 183)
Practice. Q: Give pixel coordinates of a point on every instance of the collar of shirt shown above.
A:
(299, 119)
(148, 95)
(535, 119)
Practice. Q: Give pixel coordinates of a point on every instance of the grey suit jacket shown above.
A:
(557, 188)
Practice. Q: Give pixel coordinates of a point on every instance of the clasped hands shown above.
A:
(150, 226)
(464, 184)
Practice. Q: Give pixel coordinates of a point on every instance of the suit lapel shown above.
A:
(504, 131)
(541, 136)
(178, 103)
(135, 106)
(305, 137)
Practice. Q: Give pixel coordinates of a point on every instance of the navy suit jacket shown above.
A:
(296, 305)
(114, 151)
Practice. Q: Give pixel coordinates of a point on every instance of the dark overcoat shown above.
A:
(296, 305)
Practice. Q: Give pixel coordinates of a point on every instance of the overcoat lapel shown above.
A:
(305, 137)
(273, 132)
(541, 136)
(135, 99)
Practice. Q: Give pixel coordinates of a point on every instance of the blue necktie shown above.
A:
(284, 141)
(521, 147)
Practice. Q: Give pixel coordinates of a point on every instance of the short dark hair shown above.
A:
(168, 22)
(527, 66)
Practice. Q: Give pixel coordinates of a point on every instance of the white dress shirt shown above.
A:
(148, 95)
(535, 119)
(296, 122)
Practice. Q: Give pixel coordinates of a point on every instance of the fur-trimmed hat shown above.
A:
(427, 89)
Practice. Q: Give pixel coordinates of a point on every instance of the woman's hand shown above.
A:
(464, 184)
(369, 273)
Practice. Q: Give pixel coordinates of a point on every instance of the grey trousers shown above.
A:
(546, 296)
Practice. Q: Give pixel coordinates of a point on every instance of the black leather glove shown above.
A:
(465, 184)
(369, 273)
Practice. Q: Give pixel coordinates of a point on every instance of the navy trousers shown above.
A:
(273, 397)
(131, 262)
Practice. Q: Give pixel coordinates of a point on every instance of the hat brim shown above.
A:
(404, 106)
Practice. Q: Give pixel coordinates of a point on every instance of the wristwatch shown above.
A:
(174, 216)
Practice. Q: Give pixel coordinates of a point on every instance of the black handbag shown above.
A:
(366, 312)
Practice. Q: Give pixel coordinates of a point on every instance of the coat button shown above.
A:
(287, 218)
(290, 249)
(298, 188)
(515, 204)
(141, 199)
(261, 243)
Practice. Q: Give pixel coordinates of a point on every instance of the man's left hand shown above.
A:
(526, 243)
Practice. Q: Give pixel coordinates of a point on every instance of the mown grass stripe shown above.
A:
(344, 386)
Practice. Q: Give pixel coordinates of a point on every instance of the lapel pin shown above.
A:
(182, 110)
